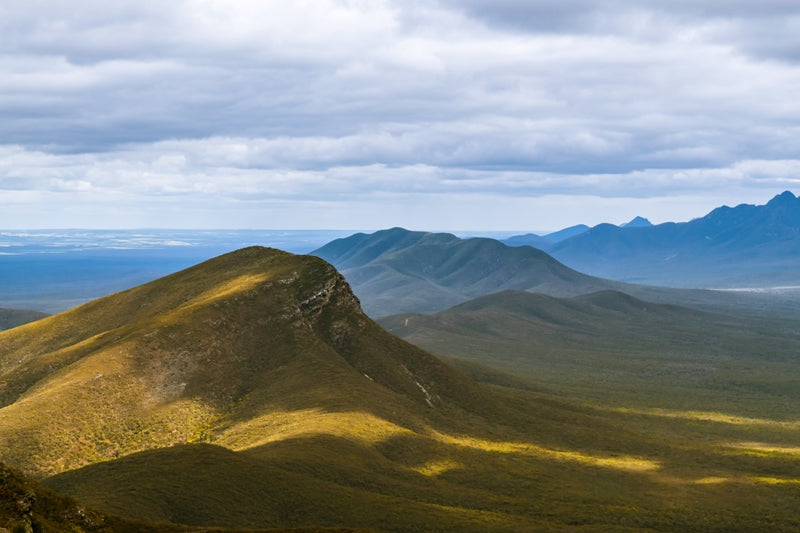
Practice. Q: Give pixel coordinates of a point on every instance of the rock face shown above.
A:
(26, 507)
(197, 357)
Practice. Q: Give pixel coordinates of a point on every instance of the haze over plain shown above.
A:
(338, 114)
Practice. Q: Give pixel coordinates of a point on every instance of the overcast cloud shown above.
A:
(461, 114)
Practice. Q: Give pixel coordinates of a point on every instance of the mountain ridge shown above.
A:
(397, 270)
(742, 246)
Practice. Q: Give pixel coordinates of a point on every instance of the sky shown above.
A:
(359, 114)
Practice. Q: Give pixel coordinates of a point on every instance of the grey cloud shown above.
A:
(766, 29)
(610, 15)
(266, 100)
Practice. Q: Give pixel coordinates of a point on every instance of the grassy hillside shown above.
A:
(251, 392)
(27, 506)
(205, 352)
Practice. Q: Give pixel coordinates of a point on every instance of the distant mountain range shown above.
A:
(397, 271)
(743, 246)
(549, 239)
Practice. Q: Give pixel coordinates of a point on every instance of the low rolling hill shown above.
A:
(252, 392)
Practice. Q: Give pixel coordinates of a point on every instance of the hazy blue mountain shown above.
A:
(566, 233)
(397, 270)
(528, 239)
(545, 241)
(742, 246)
(11, 318)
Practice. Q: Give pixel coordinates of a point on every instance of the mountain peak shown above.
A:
(637, 222)
(784, 198)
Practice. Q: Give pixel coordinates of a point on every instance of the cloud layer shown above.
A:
(365, 113)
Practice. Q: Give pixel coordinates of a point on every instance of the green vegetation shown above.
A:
(608, 348)
(251, 392)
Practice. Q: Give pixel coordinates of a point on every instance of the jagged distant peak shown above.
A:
(637, 222)
(783, 198)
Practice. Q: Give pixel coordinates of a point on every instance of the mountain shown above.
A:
(11, 318)
(742, 246)
(189, 354)
(397, 270)
(251, 392)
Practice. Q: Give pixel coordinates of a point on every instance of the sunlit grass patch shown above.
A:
(438, 467)
(242, 283)
(281, 425)
(775, 480)
(707, 416)
(712, 480)
(621, 462)
(767, 450)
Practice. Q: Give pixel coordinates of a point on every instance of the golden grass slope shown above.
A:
(216, 352)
